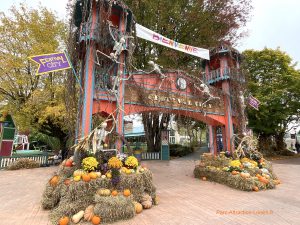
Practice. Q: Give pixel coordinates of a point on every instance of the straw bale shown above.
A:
(112, 209)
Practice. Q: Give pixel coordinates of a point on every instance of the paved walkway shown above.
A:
(183, 199)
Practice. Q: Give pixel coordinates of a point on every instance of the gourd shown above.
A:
(146, 201)
(234, 172)
(77, 178)
(67, 181)
(69, 163)
(89, 213)
(126, 192)
(77, 217)
(96, 220)
(147, 204)
(114, 193)
(98, 174)
(255, 188)
(104, 192)
(78, 173)
(138, 207)
(54, 181)
(146, 197)
(93, 175)
(263, 180)
(86, 177)
(64, 221)
(245, 175)
(156, 200)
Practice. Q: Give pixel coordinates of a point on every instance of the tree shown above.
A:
(37, 102)
(199, 23)
(274, 80)
(23, 33)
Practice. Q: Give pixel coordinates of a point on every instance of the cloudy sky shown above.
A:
(275, 23)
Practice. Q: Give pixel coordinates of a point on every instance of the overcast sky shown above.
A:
(275, 23)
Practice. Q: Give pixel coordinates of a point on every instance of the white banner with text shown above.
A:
(149, 35)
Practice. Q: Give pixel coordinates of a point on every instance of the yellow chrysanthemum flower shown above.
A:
(115, 162)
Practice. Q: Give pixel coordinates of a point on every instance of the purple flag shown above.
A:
(51, 62)
(253, 102)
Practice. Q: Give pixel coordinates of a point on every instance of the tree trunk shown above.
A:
(153, 124)
(280, 144)
(265, 144)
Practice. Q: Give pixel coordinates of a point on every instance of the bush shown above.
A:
(23, 164)
(179, 150)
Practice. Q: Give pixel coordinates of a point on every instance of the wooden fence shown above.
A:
(7, 160)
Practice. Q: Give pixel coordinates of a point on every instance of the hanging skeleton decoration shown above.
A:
(157, 69)
(99, 137)
(205, 89)
(244, 119)
(119, 45)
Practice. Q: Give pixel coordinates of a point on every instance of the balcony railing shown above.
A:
(224, 74)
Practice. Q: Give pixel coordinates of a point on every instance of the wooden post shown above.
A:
(88, 79)
(227, 106)
(121, 89)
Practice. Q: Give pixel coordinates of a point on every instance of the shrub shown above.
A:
(23, 163)
(179, 150)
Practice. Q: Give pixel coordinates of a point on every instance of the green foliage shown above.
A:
(179, 150)
(36, 102)
(275, 82)
(199, 23)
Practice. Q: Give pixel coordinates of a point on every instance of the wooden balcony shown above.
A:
(227, 73)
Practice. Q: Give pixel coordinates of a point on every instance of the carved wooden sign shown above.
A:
(173, 100)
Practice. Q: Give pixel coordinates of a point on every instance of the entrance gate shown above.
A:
(110, 89)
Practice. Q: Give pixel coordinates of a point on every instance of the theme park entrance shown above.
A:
(112, 86)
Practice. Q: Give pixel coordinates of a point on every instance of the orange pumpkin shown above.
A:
(126, 192)
(255, 188)
(93, 175)
(114, 193)
(86, 177)
(234, 172)
(96, 220)
(69, 163)
(67, 182)
(64, 220)
(263, 180)
(258, 175)
(204, 178)
(54, 180)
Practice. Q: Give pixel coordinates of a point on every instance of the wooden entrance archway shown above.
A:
(109, 88)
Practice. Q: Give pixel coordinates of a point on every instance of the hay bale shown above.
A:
(233, 181)
(65, 172)
(69, 208)
(112, 209)
(23, 163)
(51, 196)
(148, 183)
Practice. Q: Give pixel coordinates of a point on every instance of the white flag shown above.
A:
(149, 35)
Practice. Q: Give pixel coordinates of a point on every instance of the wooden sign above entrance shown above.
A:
(136, 95)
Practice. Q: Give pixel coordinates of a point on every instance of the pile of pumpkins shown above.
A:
(81, 174)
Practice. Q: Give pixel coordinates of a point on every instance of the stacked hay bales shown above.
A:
(68, 198)
(219, 169)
